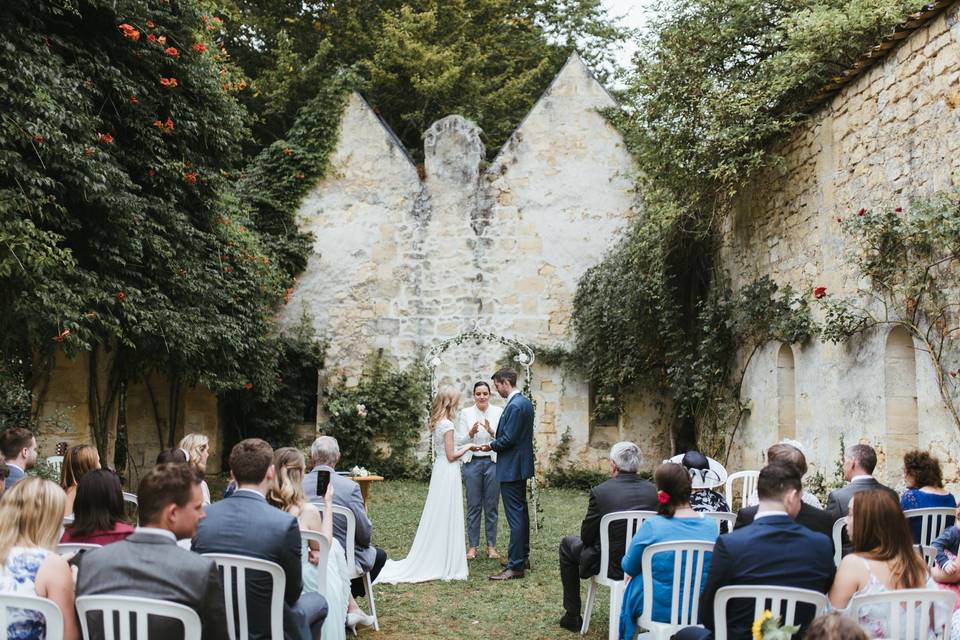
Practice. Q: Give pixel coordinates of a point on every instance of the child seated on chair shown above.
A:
(947, 569)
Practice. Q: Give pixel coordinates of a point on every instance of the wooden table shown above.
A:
(365, 482)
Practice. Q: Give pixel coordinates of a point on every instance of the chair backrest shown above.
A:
(350, 537)
(140, 609)
(910, 613)
(233, 570)
(929, 555)
(782, 601)
(633, 520)
(56, 462)
(722, 516)
(933, 521)
(689, 560)
(65, 548)
(130, 497)
(48, 609)
(748, 490)
(837, 536)
(317, 537)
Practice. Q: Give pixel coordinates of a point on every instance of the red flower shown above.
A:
(150, 24)
(663, 497)
(819, 292)
(899, 209)
(88, 152)
(37, 139)
(288, 152)
(105, 138)
(151, 172)
(171, 51)
(200, 48)
(861, 212)
(133, 100)
(248, 386)
(839, 219)
(299, 176)
(287, 294)
(168, 82)
(129, 32)
(151, 38)
(63, 335)
(165, 127)
(190, 177)
(217, 20)
(121, 296)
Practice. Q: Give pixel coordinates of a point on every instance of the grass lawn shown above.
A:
(478, 607)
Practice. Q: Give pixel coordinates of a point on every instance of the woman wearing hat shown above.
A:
(705, 475)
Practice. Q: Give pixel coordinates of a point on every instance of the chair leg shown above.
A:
(616, 598)
(588, 607)
(368, 587)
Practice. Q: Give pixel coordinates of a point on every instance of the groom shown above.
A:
(514, 447)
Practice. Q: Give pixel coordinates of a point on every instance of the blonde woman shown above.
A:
(196, 446)
(437, 550)
(287, 494)
(78, 460)
(30, 517)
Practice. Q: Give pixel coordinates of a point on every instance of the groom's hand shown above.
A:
(485, 447)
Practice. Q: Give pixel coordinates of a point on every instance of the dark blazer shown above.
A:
(514, 441)
(812, 518)
(625, 492)
(148, 565)
(246, 525)
(838, 501)
(774, 550)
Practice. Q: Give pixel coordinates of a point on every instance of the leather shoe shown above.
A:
(571, 622)
(526, 565)
(507, 574)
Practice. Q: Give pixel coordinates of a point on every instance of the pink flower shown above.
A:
(819, 292)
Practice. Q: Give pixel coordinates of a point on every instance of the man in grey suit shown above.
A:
(245, 524)
(325, 454)
(149, 564)
(19, 447)
(858, 465)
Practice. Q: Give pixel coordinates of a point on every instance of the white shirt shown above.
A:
(513, 393)
(16, 466)
(465, 422)
(859, 478)
(767, 514)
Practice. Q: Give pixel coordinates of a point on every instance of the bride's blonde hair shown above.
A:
(287, 490)
(445, 405)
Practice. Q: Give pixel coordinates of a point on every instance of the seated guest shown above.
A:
(245, 524)
(98, 512)
(800, 454)
(947, 544)
(833, 626)
(30, 516)
(675, 520)
(19, 447)
(287, 494)
(706, 474)
(809, 516)
(924, 481)
(882, 560)
(580, 556)
(171, 455)
(858, 465)
(78, 460)
(197, 448)
(325, 454)
(774, 550)
(149, 564)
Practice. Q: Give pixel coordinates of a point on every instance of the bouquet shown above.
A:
(766, 627)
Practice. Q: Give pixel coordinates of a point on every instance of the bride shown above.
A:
(437, 550)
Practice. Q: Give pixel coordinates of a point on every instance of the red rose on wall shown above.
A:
(151, 38)
(129, 32)
(37, 139)
(248, 386)
(862, 212)
(133, 100)
(121, 296)
(200, 48)
(105, 138)
(171, 51)
(168, 82)
(819, 292)
(190, 177)
(899, 209)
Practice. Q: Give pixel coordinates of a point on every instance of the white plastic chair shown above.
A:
(321, 540)
(131, 498)
(783, 602)
(934, 521)
(633, 520)
(56, 462)
(929, 555)
(67, 548)
(689, 560)
(748, 490)
(229, 563)
(722, 516)
(140, 609)
(837, 536)
(908, 609)
(353, 569)
(47, 608)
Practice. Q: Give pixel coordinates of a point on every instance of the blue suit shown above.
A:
(514, 447)
(773, 550)
(14, 475)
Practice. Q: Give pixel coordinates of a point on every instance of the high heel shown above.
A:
(358, 617)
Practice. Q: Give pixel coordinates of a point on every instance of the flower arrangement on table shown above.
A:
(766, 627)
(359, 472)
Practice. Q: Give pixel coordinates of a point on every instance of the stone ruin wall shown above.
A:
(400, 264)
(889, 136)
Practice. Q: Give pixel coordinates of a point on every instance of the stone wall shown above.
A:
(400, 264)
(889, 136)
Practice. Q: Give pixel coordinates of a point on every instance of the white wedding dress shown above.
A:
(437, 552)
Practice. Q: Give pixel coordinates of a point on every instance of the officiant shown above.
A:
(478, 425)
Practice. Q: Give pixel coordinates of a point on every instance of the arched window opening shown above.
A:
(786, 394)
(900, 391)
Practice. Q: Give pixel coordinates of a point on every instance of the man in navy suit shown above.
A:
(773, 550)
(514, 447)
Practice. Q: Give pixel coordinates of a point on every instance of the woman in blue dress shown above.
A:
(675, 520)
(924, 481)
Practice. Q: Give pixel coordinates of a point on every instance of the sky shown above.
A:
(633, 14)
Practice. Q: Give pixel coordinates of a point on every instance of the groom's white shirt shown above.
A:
(467, 417)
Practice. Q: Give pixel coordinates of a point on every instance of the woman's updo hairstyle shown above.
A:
(673, 487)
